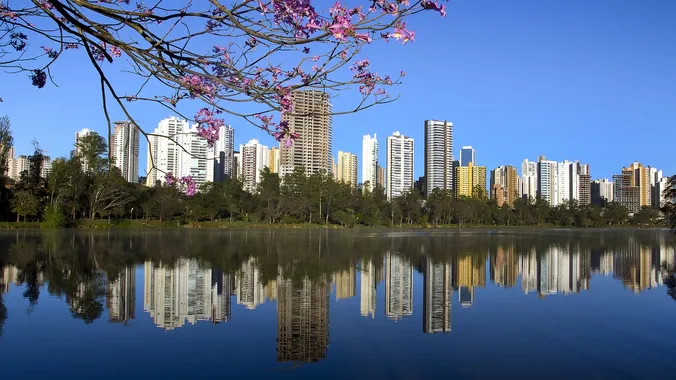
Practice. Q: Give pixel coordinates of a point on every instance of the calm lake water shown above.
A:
(344, 304)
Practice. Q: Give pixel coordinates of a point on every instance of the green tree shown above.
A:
(6, 144)
(92, 150)
(615, 214)
(24, 204)
(269, 196)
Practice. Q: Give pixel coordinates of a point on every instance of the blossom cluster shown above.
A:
(208, 126)
(186, 183)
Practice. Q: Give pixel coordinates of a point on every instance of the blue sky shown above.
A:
(570, 79)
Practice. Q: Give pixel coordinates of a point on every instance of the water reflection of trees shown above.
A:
(92, 269)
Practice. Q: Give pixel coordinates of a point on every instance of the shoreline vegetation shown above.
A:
(154, 224)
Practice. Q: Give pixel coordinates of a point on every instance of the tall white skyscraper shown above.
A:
(369, 161)
(548, 181)
(177, 150)
(529, 179)
(399, 165)
(467, 156)
(254, 159)
(163, 152)
(125, 151)
(220, 157)
(438, 155)
(193, 158)
(564, 181)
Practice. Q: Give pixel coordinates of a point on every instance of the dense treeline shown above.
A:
(87, 186)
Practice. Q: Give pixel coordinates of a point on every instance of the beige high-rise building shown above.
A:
(346, 170)
(504, 185)
(381, 177)
(470, 180)
(273, 159)
(641, 178)
(311, 120)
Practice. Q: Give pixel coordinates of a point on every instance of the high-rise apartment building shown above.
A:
(438, 155)
(642, 180)
(660, 199)
(311, 120)
(470, 181)
(583, 185)
(467, 156)
(255, 157)
(346, 170)
(220, 157)
(625, 192)
(17, 165)
(369, 162)
(399, 165)
(237, 169)
(163, 150)
(565, 181)
(177, 149)
(548, 181)
(529, 179)
(192, 156)
(273, 161)
(504, 185)
(381, 177)
(125, 144)
(602, 192)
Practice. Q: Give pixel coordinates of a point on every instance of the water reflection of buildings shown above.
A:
(185, 292)
(437, 294)
(471, 273)
(369, 280)
(8, 275)
(398, 286)
(302, 319)
(121, 296)
(504, 267)
(249, 288)
(559, 269)
(346, 283)
(633, 265)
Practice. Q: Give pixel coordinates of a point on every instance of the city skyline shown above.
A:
(527, 94)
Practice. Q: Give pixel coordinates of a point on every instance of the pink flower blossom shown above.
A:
(208, 126)
(39, 78)
(434, 6)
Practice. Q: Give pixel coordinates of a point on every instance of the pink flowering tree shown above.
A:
(215, 52)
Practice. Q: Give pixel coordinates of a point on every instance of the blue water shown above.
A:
(338, 304)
